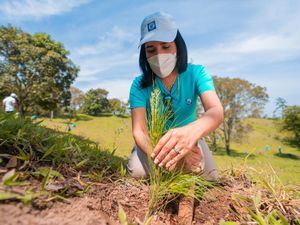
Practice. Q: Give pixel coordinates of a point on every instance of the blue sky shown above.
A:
(257, 40)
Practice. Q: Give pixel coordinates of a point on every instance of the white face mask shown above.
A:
(162, 64)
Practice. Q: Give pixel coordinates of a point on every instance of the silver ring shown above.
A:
(177, 150)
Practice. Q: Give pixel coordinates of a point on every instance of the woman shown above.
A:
(163, 61)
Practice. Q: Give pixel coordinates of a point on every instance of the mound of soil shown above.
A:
(101, 205)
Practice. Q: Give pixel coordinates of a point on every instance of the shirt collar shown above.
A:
(174, 92)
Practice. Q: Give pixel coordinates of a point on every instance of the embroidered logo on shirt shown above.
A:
(188, 101)
(151, 26)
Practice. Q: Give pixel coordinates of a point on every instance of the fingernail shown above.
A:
(152, 155)
(160, 165)
(156, 161)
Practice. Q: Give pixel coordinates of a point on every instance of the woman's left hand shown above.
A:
(192, 162)
(173, 146)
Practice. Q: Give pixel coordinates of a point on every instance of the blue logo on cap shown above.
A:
(151, 26)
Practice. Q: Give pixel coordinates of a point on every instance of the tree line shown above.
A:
(95, 102)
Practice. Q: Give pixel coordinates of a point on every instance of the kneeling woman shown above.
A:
(163, 61)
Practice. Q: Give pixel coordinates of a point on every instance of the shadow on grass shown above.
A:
(82, 117)
(85, 117)
(292, 142)
(104, 115)
(111, 114)
(287, 156)
(123, 116)
(78, 117)
(233, 153)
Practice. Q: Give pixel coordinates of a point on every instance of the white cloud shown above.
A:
(264, 48)
(253, 58)
(118, 88)
(263, 52)
(97, 67)
(115, 52)
(110, 63)
(269, 35)
(28, 9)
(112, 40)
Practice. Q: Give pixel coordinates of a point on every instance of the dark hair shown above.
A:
(181, 63)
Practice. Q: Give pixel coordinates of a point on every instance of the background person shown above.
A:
(10, 103)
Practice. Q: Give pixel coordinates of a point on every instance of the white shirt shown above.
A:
(9, 104)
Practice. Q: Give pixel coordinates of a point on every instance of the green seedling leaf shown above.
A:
(7, 196)
(10, 175)
(46, 179)
(85, 190)
(48, 152)
(148, 221)
(277, 217)
(122, 216)
(81, 163)
(22, 154)
(122, 170)
(38, 122)
(10, 179)
(43, 172)
(257, 217)
(228, 223)
(113, 151)
(26, 198)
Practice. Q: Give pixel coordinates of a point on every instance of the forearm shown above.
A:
(207, 123)
(142, 140)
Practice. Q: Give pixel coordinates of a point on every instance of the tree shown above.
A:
(281, 104)
(96, 102)
(291, 121)
(214, 139)
(77, 98)
(124, 107)
(115, 104)
(36, 68)
(240, 99)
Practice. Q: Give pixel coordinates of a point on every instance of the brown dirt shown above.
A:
(101, 204)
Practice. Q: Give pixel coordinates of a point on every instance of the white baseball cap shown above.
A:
(13, 95)
(158, 26)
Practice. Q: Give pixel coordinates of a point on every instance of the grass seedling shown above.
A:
(166, 186)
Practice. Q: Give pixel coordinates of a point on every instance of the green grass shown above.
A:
(265, 132)
(35, 150)
(108, 131)
(31, 146)
(116, 131)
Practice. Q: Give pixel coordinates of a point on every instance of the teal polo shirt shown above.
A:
(185, 93)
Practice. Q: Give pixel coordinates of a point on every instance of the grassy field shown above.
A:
(115, 132)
